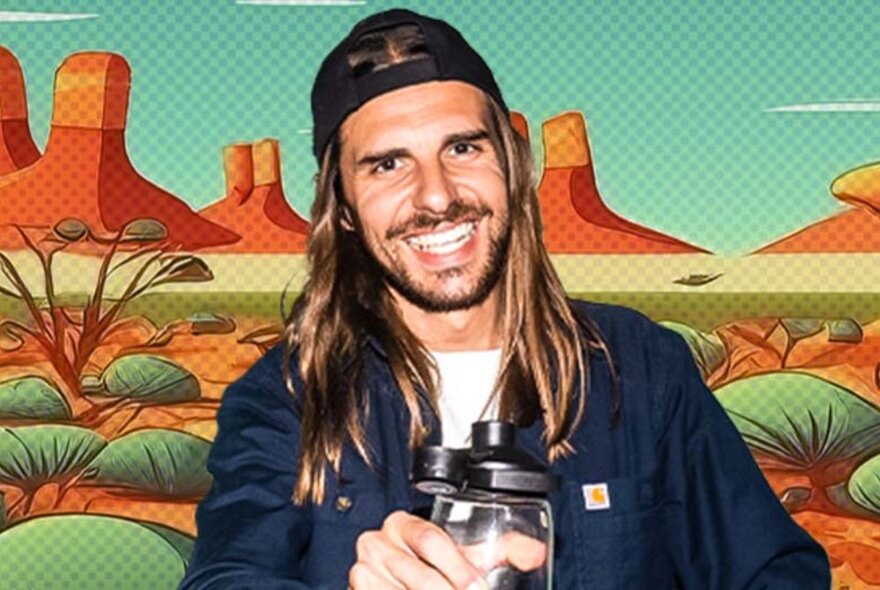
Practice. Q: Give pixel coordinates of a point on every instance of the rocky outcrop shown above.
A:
(86, 172)
(17, 147)
(255, 206)
(519, 123)
(854, 230)
(576, 219)
(860, 187)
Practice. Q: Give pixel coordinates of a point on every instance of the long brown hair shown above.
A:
(544, 368)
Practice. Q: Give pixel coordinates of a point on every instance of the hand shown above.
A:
(411, 553)
(511, 549)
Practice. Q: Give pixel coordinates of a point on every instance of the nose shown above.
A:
(436, 189)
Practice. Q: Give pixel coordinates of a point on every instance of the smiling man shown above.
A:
(431, 303)
(427, 192)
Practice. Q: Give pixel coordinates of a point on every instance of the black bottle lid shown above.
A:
(497, 464)
(439, 470)
(494, 464)
(486, 435)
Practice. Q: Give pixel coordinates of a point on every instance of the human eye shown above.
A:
(386, 165)
(463, 148)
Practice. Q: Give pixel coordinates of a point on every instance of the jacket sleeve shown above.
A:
(729, 530)
(250, 534)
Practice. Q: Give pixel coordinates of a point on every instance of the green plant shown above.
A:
(149, 379)
(69, 334)
(32, 398)
(864, 485)
(91, 551)
(31, 456)
(797, 421)
(161, 462)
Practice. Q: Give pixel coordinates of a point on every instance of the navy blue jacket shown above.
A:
(689, 506)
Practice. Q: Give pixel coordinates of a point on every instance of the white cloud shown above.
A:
(303, 2)
(41, 17)
(848, 106)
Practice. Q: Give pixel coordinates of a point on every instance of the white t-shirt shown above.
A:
(466, 381)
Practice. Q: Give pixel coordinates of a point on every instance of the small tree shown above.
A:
(70, 334)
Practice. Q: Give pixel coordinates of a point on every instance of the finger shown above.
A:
(395, 564)
(414, 573)
(433, 546)
(362, 577)
(374, 549)
(522, 552)
(514, 549)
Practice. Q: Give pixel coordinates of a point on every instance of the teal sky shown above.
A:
(678, 96)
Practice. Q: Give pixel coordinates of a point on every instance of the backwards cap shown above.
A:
(338, 91)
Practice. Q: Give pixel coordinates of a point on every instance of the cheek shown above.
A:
(376, 217)
(489, 187)
(381, 206)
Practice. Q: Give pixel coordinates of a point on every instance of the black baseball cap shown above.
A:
(339, 90)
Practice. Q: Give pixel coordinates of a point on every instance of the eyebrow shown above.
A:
(376, 157)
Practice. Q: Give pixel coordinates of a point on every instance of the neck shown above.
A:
(475, 328)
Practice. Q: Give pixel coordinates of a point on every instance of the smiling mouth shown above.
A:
(443, 242)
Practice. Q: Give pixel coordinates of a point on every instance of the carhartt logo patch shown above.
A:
(596, 496)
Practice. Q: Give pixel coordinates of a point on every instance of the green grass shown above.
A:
(704, 311)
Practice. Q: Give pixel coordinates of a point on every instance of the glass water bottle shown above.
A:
(492, 500)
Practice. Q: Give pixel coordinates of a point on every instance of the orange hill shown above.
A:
(854, 230)
(17, 148)
(519, 123)
(255, 206)
(85, 171)
(576, 220)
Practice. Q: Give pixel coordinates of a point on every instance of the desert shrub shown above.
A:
(864, 485)
(90, 551)
(32, 398)
(150, 379)
(801, 420)
(158, 461)
(845, 330)
(33, 455)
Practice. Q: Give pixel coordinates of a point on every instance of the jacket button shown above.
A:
(343, 503)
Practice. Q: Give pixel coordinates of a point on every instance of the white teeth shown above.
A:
(443, 242)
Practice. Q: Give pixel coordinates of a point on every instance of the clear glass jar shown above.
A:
(508, 537)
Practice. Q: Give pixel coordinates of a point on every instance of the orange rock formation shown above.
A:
(520, 123)
(576, 220)
(85, 171)
(854, 230)
(255, 206)
(860, 187)
(17, 148)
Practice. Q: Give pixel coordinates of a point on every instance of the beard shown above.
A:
(396, 275)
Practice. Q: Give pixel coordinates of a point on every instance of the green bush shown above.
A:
(150, 379)
(33, 455)
(801, 420)
(95, 552)
(32, 398)
(864, 485)
(165, 462)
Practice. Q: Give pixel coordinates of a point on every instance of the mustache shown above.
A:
(456, 212)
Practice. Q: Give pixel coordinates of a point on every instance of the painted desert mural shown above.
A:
(125, 311)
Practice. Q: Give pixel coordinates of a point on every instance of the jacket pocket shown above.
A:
(623, 545)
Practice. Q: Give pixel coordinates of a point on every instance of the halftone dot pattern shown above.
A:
(676, 97)
(80, 551)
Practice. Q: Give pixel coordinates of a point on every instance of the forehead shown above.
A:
(402, 116)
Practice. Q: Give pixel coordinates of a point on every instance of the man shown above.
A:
(431, 304)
